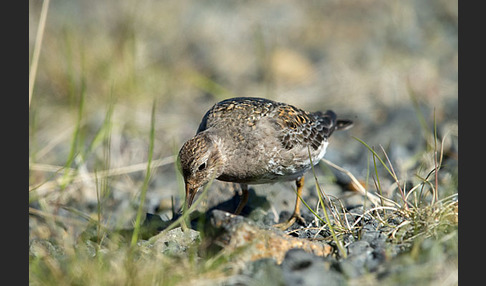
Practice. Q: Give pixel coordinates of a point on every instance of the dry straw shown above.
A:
(37, 47)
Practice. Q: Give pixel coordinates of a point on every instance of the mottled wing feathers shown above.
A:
(293, 126)
(244, 111)
(305, 129)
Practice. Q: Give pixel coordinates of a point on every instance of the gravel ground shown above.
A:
(390, 66)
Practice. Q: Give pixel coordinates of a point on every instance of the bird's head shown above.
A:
(200, 161)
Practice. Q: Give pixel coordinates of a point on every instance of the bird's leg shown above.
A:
(296, 215)
(243, 199)
(300, 187)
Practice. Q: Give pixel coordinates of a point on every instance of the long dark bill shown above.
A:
(190, 194)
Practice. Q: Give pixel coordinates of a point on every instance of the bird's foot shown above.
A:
(296, 217)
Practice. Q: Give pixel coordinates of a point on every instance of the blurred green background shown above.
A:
(387, 65)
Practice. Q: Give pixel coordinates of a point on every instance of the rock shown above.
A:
(264, 271)
(358, 254)
(374, 237)
(297, 268)
(368, 253)
(232, 233)
(302, 268)
(176, 242)
(40, 248)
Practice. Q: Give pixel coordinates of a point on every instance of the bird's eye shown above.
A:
(202, 166)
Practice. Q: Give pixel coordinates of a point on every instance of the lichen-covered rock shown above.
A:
(235, 233)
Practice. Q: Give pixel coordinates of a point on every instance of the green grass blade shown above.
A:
(104, 130)
(377, 156)
(378, 184)
(74, 148)
(338, 242)
(138, 220)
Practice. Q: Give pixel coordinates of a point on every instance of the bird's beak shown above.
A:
(190, 194)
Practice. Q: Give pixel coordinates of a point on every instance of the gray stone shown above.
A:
(176, 241)
(302, 268)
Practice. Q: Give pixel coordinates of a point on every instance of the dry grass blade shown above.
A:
(37, 48)
(370, 211)
(394, 175)
(40, 213)
(372, 197)
(100, 174)
(55, 141)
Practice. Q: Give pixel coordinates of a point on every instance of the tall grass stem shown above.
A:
(37, 48)
(338, 242)
(138, 220)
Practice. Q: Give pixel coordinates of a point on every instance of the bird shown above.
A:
(252, 140)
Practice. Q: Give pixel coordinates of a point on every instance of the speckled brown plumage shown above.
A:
(255, 141)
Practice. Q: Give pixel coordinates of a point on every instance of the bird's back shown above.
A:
(238, 112)
(293, 126)
(270, 138)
